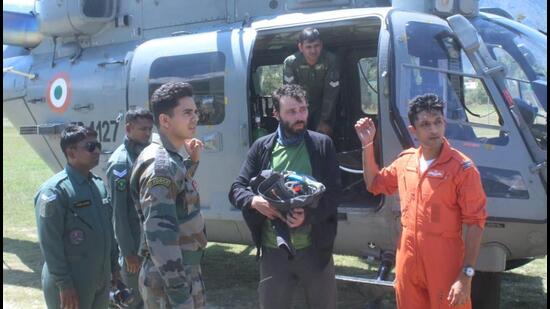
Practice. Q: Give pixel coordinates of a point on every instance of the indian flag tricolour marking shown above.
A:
(59, 92)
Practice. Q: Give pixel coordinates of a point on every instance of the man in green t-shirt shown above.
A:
(312, 230)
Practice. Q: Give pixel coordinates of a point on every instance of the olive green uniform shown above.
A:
(321, 82)
(73, 216)
(167, 202)
(125, 219)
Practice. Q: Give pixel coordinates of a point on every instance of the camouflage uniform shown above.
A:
(168, 205)
(321, 82)
(125, 219)
(73, 216)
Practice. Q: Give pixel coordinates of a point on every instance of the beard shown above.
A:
(290, 131)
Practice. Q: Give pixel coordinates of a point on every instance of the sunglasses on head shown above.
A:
(91, 146)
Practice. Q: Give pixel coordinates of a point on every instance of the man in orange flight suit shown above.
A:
(440, 191)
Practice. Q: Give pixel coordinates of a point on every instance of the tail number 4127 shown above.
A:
(106, 129)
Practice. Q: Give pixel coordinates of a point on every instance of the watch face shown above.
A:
(469, 271)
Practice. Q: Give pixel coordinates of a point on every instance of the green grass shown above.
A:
(230, 271)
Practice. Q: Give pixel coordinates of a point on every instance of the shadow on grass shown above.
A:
(231, 280)
(29, 254)
(521, 291)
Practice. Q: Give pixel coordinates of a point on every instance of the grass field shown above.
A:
(230, 271)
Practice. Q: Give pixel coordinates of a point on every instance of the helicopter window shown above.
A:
(503, 183)
(98, 8)
(368, 75)
(513, 70)
(525, 97)
(205, 72)
(470, 112)
(523, 51)
(270, 77)
(446, 71)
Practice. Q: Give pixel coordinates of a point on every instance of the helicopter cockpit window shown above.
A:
(523, 52)
(470, 112)
(205, 72)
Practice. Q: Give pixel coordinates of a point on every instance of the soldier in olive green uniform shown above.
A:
(318, 72)
(73, 215)
(139, 124)
(168, 204)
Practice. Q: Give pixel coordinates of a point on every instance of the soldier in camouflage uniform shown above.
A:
(139, 124)
(73, 216)
(167, 202)
(318, 72)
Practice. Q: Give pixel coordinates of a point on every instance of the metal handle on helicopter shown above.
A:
(103, 64)
(14, 71)
(537, 166)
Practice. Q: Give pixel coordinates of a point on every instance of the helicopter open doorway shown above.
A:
(355, 43)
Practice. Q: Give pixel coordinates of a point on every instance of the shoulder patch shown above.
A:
(162, 160)
(467, 164)
(159, 181)
(121, 184)
(120, 174)
(46, 204)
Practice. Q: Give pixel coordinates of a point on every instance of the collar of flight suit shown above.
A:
(445, 155)
(76, 175)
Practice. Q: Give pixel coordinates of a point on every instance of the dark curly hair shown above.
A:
(165, 98)
(428, 102)
(289, 90)
(137, 113)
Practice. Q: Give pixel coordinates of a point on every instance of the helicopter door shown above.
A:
(215, 64)
(427, 58)
(88, 89)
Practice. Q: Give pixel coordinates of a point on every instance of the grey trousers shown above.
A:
(131, 281)
(279, 278)
(90, 295)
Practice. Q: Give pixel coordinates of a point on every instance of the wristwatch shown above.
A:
(469, 271)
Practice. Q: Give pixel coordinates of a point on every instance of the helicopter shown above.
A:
(88, 62)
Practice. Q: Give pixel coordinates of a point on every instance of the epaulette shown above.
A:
(290, 58)
(55, 180)
(407, 152)
(122, 155)
(117, 154)
(162, 160)
(464, 161)
(94, 176)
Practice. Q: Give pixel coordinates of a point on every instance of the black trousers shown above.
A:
(279, 278)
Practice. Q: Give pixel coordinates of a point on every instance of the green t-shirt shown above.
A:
(294, 158)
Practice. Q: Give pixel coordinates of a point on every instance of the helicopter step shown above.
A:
(357, 279)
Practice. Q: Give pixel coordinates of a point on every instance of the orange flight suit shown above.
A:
(434, 205)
